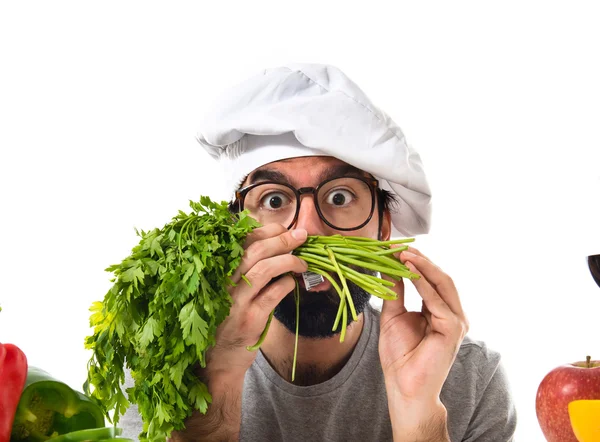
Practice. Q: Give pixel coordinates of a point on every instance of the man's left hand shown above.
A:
(417, 349)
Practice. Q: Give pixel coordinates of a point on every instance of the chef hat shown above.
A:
(312, 109)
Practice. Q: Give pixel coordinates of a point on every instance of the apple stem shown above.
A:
(588, 360)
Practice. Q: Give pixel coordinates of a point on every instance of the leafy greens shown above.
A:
(160, 316)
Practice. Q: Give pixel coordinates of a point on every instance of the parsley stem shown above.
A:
(182, 232)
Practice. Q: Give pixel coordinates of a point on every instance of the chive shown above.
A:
(373, 289)
(336, 253)
(297, 296)
(337, 289)
(247, 280)
(391, 251)
(263, 335)
(344, 323)
(371, 256)
(356, 239)
(317, 260)
(344, 285)
(371, 278)
(388, 271)
(317, 251)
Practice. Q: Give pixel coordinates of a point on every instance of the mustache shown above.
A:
(318, 309)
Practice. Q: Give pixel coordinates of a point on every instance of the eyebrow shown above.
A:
(268, 175)
(338, 170)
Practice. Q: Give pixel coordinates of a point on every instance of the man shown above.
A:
(307, 153)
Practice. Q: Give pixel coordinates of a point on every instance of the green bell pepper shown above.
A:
(50, 408)
(96, 435)
(117, 439)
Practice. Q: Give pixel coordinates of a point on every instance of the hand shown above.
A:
(266, 256)
(417, 349)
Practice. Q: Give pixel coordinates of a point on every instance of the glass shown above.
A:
(344, 203)
(594, 265)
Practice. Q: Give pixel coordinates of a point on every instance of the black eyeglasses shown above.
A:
(343, 203)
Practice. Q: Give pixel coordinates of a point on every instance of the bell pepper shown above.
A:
(97, 435)
(584, 415)
(13, 372)
(49, 408)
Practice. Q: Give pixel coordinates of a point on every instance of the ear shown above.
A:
(386, 226)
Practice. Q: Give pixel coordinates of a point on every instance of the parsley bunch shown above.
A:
(160, 316)
(169, 296)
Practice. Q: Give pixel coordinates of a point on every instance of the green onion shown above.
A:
(325, 254)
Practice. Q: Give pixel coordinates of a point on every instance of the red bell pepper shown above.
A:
(13, 373)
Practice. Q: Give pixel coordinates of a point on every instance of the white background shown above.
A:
(99, 105)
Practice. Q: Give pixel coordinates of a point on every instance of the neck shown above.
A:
(318, 360)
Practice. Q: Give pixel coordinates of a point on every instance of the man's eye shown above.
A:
(339, 197)
(274, 200)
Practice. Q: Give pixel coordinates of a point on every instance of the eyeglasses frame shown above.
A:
(372, 183)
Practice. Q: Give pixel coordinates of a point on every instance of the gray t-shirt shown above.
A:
(352, 406)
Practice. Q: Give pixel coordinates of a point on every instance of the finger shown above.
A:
(431, 298)
(398, 246)
(262, 273)
(440, 318)
(436, 278)
(408, 249)
(426, 313)
(271, 296)
(280, 244)
(268, 231)
(395, 307)
(417, 252)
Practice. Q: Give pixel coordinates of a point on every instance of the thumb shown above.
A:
(395, 307)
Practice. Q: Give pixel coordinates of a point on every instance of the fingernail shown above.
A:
(409, 254)
(299, 234)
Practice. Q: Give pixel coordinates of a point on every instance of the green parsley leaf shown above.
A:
(161, 314)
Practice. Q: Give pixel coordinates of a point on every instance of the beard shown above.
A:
(319, 309)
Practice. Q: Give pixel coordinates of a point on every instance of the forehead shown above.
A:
(303, 170)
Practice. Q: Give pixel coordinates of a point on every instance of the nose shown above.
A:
(308, 217)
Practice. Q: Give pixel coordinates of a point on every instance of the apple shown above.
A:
(570, 382)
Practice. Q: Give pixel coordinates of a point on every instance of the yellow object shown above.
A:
(585, 419)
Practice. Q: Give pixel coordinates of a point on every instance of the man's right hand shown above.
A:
(266, 256)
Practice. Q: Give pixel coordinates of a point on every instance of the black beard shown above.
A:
(319, 309)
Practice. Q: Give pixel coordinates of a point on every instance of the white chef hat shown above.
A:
(313, 109)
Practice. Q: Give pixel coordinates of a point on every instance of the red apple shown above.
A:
(579, 380)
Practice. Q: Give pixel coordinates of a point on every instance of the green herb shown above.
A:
(160, 317)
(326, 254)
(322, 254)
